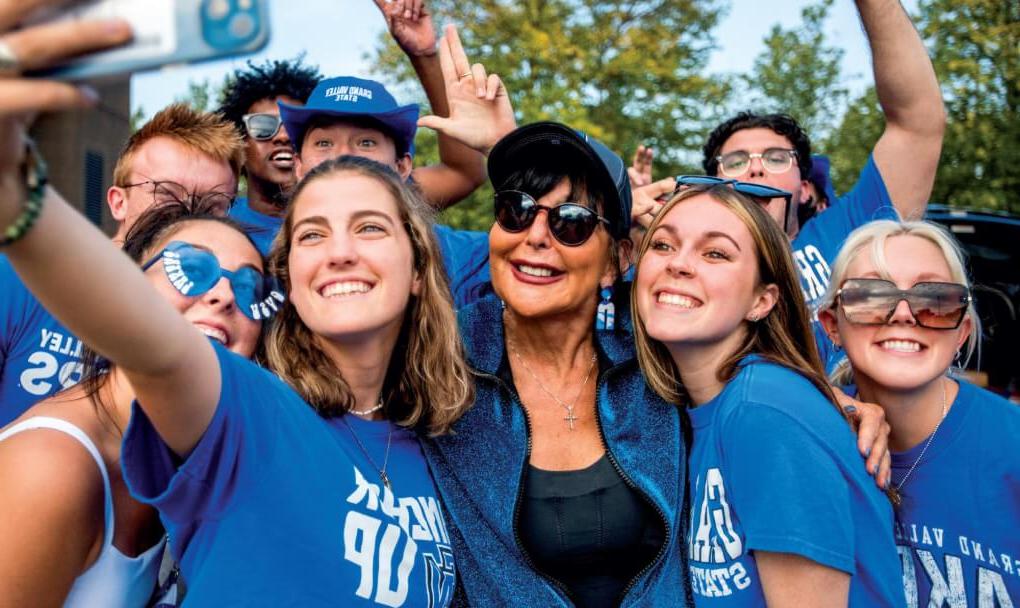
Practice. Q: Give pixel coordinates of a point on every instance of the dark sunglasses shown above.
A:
(194, 271)
(570, 223)
(933, 305)
(759, 193)
(262, 126)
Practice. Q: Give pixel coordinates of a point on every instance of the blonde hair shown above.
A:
(872, 237)
(783, 336)
(208, 133)
(428, 384)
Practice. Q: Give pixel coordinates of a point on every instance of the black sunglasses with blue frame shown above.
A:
(759, 193)
(193, 271)
(570, 223)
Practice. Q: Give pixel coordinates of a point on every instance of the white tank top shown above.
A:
(114, 580)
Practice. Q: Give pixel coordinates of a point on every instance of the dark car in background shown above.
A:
(992, 243)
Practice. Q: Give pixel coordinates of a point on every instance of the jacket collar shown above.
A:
(481, 325)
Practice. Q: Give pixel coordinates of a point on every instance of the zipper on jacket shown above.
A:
(556, 584)
(633, 486)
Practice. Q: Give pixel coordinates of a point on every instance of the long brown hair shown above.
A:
(783, 336)
(428, 383)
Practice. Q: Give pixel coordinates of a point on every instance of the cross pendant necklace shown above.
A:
(569, 407)
(570, 418)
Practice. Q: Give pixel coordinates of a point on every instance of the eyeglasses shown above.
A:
(933, 305)
(167, 192)
(759, 193)
(194, 271)
(570, 223)
(262, 127)
(775, 160)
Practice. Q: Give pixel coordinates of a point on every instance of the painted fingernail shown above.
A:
(91, 95)
(867, 452)
(849, 409)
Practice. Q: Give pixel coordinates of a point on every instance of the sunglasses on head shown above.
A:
(570, 223)
(759, 193)
(194, 271)
(933, 305)
(262, 126)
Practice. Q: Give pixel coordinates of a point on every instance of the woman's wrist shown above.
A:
(29, 186)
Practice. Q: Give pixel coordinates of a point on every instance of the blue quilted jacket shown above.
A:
(479, 470)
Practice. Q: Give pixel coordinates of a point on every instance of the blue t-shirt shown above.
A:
(774, 467)
(260, 227)
(38, 355)
(465, 252)
(277, 506)
(958, 527)
(820, 239)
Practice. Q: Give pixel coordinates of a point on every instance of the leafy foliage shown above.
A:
(625, 71)
(799, 74)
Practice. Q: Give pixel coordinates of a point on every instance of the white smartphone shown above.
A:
(166, 32)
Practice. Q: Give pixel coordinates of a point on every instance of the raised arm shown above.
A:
(102, 296)
(907, 153)
(461, 169)
(78, 274)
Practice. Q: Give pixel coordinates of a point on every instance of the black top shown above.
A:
(587, 529)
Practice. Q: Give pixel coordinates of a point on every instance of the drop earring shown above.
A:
(606, 315)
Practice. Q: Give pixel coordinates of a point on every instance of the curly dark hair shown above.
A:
(268, 80)
(782, 124)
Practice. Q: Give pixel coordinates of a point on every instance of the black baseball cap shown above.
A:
(547, 142)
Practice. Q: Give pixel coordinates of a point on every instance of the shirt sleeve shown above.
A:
(466, 259)
(867, 201)
(787, 487)
(239, 437)
(11, 300)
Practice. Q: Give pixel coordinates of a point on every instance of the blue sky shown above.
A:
(336, 34)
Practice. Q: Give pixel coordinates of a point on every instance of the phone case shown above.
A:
(167, 32)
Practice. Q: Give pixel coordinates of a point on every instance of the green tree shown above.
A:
(975, 47)
(850, 143)
(799, 74)
(201, 95)
(625, 71)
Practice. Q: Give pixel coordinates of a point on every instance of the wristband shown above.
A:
(36, 177)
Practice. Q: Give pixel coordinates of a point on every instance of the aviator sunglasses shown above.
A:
(262, 126)
(933, 305)
(570, 223)
(194, 271)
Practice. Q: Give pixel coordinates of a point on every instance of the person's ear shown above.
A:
(966, 327)
(404, 166)
(765, 301)
(827, 317)
(299, 167)
(805, 192)
(116, 200)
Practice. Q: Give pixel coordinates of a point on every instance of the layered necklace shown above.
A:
(945, 410)
(389, 440)
(568, 407)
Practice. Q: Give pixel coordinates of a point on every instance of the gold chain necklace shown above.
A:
(569, 407)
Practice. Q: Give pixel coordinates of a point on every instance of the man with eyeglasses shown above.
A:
(772, 149)
(180, 154)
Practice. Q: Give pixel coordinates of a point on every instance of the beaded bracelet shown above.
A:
(36, 177)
